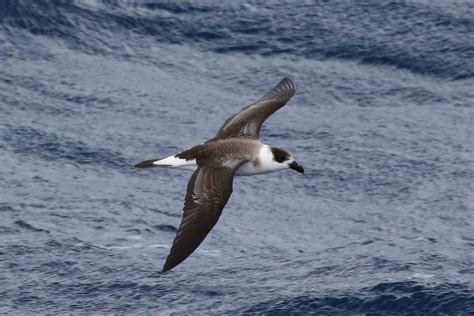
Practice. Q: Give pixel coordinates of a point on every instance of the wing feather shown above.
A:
(208, 191)
(249, 120)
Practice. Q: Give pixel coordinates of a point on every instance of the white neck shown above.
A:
(263, 163)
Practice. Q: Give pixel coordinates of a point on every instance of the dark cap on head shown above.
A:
(280, 155)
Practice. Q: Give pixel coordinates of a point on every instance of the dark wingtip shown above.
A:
(146, 164)
(166, 267)
(289, 83)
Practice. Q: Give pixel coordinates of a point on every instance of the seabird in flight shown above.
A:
(234, 151)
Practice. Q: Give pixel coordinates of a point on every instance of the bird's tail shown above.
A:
(169, 162)
(149, 164)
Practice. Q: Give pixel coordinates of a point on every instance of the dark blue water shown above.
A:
(382, 222)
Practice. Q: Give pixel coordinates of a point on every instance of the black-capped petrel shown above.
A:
(234, 151)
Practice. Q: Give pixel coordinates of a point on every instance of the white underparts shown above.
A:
(176, 163)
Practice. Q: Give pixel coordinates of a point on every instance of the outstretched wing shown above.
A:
(208, 191)
(249, 120)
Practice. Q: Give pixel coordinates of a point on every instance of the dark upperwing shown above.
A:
(249, 120)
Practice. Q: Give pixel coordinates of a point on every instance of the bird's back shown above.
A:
(222, 151)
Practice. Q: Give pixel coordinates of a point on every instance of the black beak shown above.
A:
(296, 167)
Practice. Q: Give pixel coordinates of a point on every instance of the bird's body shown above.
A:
(257, 156)
(234, 151)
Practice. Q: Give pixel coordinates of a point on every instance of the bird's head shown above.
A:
(284, 159)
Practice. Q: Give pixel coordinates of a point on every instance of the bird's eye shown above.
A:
(280, 155)
(280, 159)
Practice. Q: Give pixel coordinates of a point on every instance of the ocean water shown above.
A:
(381, 223)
